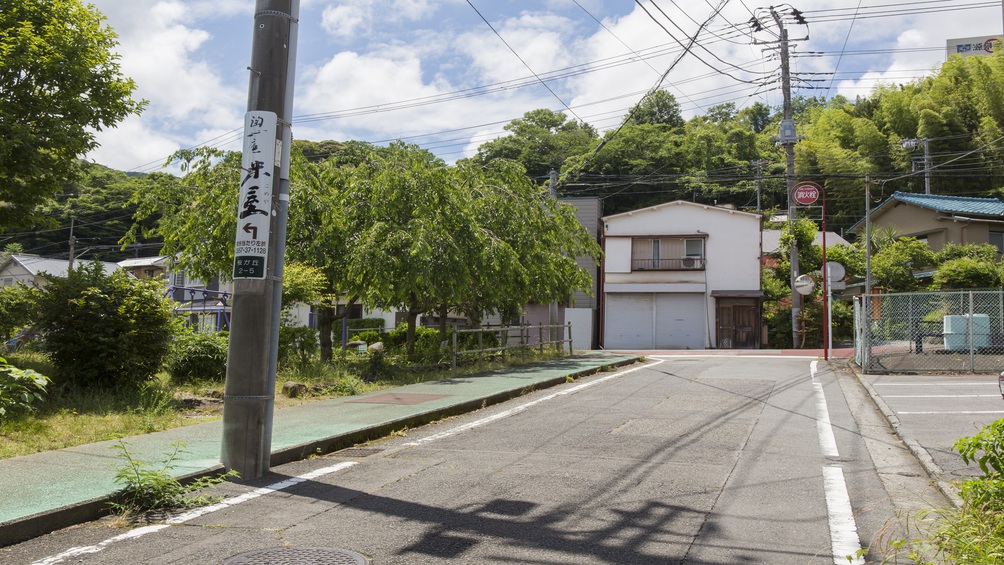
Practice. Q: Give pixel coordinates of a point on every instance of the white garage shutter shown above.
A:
(628, 323)
(680, 321)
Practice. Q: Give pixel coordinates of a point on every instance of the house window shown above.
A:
(694, 247)
(7, 281)
(179, 278)
(997, 240)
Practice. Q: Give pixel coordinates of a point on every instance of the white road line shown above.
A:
(827, 442)
(193, 514)
(940, 395)
(948, 413)
(517, 409)
(988, 383)
(843, 530)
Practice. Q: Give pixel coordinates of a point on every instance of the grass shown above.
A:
(73, 417)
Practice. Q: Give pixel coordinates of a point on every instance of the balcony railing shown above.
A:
(682, 264)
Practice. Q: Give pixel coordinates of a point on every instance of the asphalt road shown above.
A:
(698, 460)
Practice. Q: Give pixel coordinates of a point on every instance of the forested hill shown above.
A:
(723, 155)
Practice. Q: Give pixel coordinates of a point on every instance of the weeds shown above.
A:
(148, 487)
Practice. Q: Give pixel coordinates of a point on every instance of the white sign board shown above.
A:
(981, 45)
(254, 204)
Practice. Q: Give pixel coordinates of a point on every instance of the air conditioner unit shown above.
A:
(689, 262)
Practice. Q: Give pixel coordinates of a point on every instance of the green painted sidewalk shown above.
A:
(51, 490)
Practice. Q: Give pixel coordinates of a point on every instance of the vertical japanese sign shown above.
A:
(254, 204)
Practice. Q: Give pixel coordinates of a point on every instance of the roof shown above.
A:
(680, 203)
(772, 240)
(158, 261)
(35, 264)
(971, 206)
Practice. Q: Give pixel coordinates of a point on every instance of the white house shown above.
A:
(681, 275)
(27, 269)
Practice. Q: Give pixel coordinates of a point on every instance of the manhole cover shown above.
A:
(298, 556)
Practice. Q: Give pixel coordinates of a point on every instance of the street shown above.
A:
(697, 460)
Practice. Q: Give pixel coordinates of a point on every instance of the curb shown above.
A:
(36, 525)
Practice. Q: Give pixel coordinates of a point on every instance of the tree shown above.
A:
(659, 107)
(540, 141)
(59, 83)
(894, 265)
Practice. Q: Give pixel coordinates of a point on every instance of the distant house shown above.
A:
(681, 275)
(772, 244)
(940, 219)
(27, 269)
(147, 267)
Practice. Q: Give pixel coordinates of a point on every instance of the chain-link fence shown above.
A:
(954, 331)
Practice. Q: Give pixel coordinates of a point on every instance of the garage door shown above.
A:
(680, 321)
(628, 323)
(654, 321)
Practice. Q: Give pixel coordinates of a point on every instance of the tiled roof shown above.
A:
(984, 207)
(953, 204)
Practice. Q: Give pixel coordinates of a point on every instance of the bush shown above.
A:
(297, 344)
(198, 357)
(356, 325)
(986, 449)
(19, 389)
(369, 336)
(104, 330)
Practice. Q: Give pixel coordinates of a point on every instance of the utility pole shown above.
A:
(787, 138)
(552, 308)
(758, 164)
(73, 246)
(249, 397)
(912, 143)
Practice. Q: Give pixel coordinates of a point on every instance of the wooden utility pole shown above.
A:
(260, 241)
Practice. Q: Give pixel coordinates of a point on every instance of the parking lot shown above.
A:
(937, 410)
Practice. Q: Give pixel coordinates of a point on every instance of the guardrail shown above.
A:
(522, 336)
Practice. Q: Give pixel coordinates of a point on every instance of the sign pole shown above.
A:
(249, 396)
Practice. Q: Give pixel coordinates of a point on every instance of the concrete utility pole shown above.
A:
(787, 138)
(261, 240)
(912, 143)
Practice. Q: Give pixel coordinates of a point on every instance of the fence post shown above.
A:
(453, 364)
(505, 341)
(972, 341)
(569, 330)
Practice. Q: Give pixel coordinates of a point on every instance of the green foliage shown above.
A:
(369, 336)
(302, 284)
(104, 330)
(981, 252)
(196, 356)
(987, 450)
(20, 389)
(540, 141)
(146, 486)
(966, 273)
(894, 265)
(297, 344)
(375, 324)
(18, 306)
(60, 82)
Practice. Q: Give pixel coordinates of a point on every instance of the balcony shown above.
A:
(681, 264)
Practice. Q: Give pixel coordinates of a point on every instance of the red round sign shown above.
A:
(805, 193)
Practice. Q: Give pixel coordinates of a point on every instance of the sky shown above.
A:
(448, 75)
